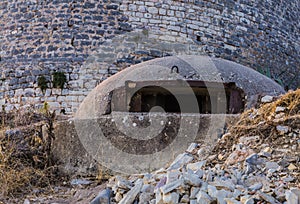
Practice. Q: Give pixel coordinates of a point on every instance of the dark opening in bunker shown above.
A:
(211, 97)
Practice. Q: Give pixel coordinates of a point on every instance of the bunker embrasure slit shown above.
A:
(144, 96)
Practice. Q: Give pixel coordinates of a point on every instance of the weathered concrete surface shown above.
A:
(74, 158)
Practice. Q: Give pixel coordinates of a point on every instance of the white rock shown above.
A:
(145, 198)
(26, 201)
(171, 198)
(279, 109)
(191, 179)
(185, 199)
(171, 186)
(103, 197)
(2, 102)
(193, 201)
(196, 166)
(180, 160)
(203, 198)
(204, 186)
(236, 193)
(256, 186)
(158, 197)
(200, 173)
(249, 201)
(271, 165)
(132, 194)
(194, 192)
(267, 99)
(172, 175)
(293, 196)
(223, 184)
(192, 147)
(147, 188)
(282, 129)
(221, 195)
(123, 183)
(209, 176)
(212, 191)
(268, 198)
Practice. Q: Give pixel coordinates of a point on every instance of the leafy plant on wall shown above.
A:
(42, 83)
(58, 80)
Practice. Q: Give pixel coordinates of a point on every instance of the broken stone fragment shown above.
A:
(253, 159)
(171, 186)
(192, 179)
(203, 198)
(292, 167)
(271, 165)
(145, 198)
(147, 188)
(267, 99)
(26, 201)
(103, 197)
(171, 198)
(256, 187)
(238, 156)
(282, 129)
(211, 191)
(196, 166)
(193, 202)
(293, 196)
(80, 182)
(200, 173)
(192, 147)
(194, 191)
(181, 160)
(248, 140)
(249, 201)
(158, 197)
(279, 109)
(268, 198)
(172, 175)
(221, 195)
(185, 199)
(132, 194)
(123, 183)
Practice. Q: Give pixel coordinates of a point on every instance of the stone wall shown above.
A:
(91, 40)
(260, 34)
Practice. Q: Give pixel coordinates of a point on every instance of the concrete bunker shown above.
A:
(117, 117)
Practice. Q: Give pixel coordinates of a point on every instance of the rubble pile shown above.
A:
(257, 161)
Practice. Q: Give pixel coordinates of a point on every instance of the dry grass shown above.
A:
(24, 153)
(262, 122)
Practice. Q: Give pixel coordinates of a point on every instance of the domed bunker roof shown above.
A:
(197, 71)
(140, 118)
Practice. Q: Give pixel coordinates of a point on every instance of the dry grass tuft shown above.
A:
(25, 160)
(262, 122)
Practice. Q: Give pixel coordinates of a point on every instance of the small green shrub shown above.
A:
(59, 80)
(42, 83)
